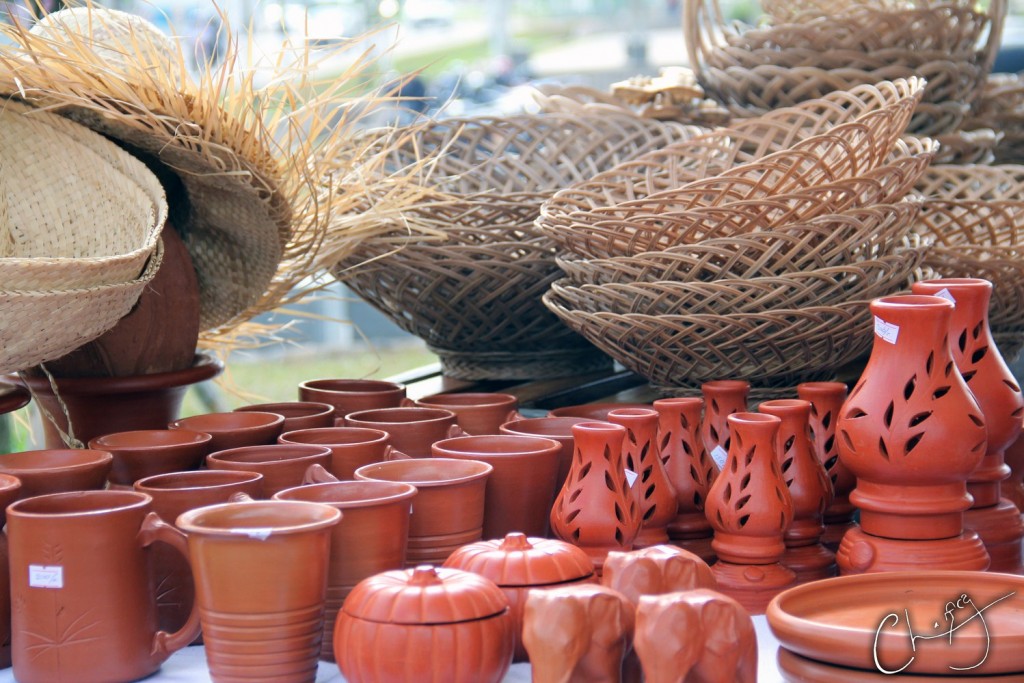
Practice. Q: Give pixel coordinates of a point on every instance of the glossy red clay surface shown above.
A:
(147, 452)
(349, 395)
(296, 414)
(412, 430)
(234, 430)
(282, 465)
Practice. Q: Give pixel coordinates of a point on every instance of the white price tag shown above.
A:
(45, 576)
(258, 534)
(886, 331)
(719, 455)
(944, 293)
(631, 477)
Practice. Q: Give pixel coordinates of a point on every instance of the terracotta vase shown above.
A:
(577, 634)
(595, 509)
(593, 411)
(412, 430)
(83, 616)
(477, 413)
(809, 488)
(750, 509)
(722, 398)
(449, 508)
(147, 452)
(425, 625)
(689, 469)
(282, 465)
(654, 495)
(351, 447)
(557, 428)
(826, 399)
(699, 636)
(996, 520)
(9, 490)
(260, 570)
(520, 489)
(518, 564)
(297, 414)
(234, 430)
(350, 395)
(103, 405)
(57, 470)
(911, 432)
(173, 494)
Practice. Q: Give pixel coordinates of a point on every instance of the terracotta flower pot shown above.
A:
(722, 398)
(520, 489)
(593, 411)
(425, 625)
(297, 414)
(449, 508)
(234, 430)
(95, 612)
(350, 395)
(282, 465)
(477, 413)
(412, 430)
(9, 489)
(351, 447)
(556, 428)
(57, 470)
(147, 452)
(370, 538)
(103, 405)
(261, 575)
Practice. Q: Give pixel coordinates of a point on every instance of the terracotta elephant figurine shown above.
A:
(698, 636)
(577, 634)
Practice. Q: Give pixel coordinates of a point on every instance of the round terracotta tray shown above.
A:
(862, 622)
(797, 669)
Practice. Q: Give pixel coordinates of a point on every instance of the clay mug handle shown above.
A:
(165, 644)
(318, 474)
(390, 453)
(241, 497)
(456, 431)
(407, 402)
(513, 415)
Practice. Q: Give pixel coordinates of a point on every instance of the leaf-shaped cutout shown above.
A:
(786, 464)
(976, 332)
(727, 493)
(743, 520)
(571, 517)
(1017, 413)
(576, 535)
(574, 495)
(714, 405)
(949, 368)
(834, 478)
(976, 419)
(650, 512)
(789, 444)
(718, 518)
(814, 410)
(648, 491)
(919, 418)
(962, 341)
(619, 514)
(831, 462)
(619, 539)
(585, 470)
(742, 502)
(968, 376)
(978, 354)
(749, 459)
(607, 454)
(887, 417)
(698, 500)
(980, 445)
(830, 443)
(684, 422)
(847, 440)
(694, 474)
(631, 435)
(940, 392)
(745, 482)
(1013, 385)
(713, 433)
(632, 463)
(854, 413)
(666, 438)
(646, 474)
(826, 419)
(912, 442)
(929, 363)
(686, 448)
(908, 388)
(882, 449)
(609, 482)
(728, 442)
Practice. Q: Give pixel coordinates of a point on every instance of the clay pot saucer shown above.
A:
(146, 452)
(282, 465)
(57, 470)
(593, 411)
(13, 397)
(296, 414)
(836, 621)
(797, 669)
(234, 430)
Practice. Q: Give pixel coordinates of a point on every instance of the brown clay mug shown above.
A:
(370, 538)
(349, 395)
(412, 430)
(85, 611)
(10, 487)
(557, 428)
(147, 452)
(521, 489)
(476, 413)
(296, 414)
(449, 507)
(351, 447)
(234, 430)
(282, 465)
(261, 572)
(173, 494)
(57, 470)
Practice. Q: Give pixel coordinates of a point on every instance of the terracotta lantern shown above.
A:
(722, 398)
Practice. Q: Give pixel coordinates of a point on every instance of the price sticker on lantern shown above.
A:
(630, 477)
(45, 576)
(886, 331)
(944, 293)
(719, 455)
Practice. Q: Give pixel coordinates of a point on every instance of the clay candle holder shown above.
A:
(351, 447)
(911, 432)
(449, 508)
(297, 414)
(412, 430)
(518, 564)
(57, 470)
(9, 489)
(370, 538)
(520, 489)
(282, 465)
(750, 510)
(996, 520)
(809, 488)
(722, 398)
(826, 399)
(689, 469)
(234, 430)
(349, 395)
(147, 452)
(476, 413)
(556, 428)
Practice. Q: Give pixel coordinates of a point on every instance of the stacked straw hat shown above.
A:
(749, 253)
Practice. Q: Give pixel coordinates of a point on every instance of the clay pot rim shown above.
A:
(289, 409)
(939, 283)
(204, 366)
(320, 516)
(725, 385)
(556, 419)
(910, 302)
(543, 445)
(194, 439)
(132, 500)
(632, 413)
(357, 386)
(474, 470)
(679, 401)
(748, 418)
(83, 459)
(399, 491)
(785, 405)
(598, 427)
(236, 477)
(379, 436)
(436, 415)
(9, 482)
(301, 452)
(823, 386)
(479, 399)
(269, 420)
(589, 410)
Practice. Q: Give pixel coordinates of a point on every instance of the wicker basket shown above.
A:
(1003, 266)
(968, 147)
(1001, 108)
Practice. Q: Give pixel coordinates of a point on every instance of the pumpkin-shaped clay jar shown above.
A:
(518, 563)
(424, 625)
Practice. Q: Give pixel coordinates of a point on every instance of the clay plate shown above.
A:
(836, 621)
(797, 669)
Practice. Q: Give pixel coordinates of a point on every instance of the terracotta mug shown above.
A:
(349, 395)
(10, 487)
(557, 428)
(57, 470)
(412, 430)
(85, 609)
(370, 538)
(476, 413)
(351, 447)
(174, 494)
(234, 430)
(147, 452)
(282, 465)
(449, 508)
(521, 489)
(296, 414)
(261, 573)
(593, 411)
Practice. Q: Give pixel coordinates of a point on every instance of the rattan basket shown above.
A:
(968, 147)
(1003, 266)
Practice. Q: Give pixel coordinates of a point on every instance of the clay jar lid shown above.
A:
(520, 561)
(425, 595)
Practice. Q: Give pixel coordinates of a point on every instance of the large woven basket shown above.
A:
(1003, 266)
(1001, 108)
